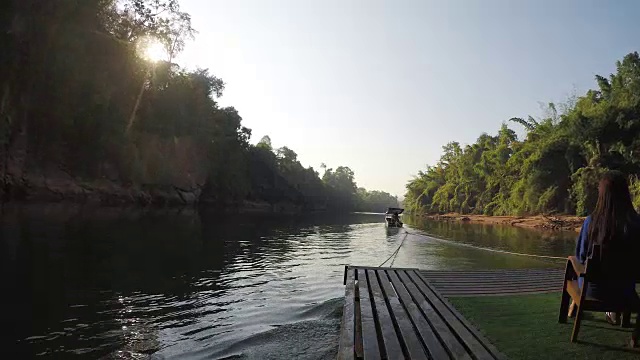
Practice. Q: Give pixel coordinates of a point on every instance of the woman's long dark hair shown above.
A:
(614, 213)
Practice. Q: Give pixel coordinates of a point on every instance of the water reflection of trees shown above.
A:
(460, 257)
(83, 275)
(504, 237)
(110, 279)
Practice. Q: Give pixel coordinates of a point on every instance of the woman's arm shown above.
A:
(582, 244)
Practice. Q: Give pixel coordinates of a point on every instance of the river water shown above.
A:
(127, 284)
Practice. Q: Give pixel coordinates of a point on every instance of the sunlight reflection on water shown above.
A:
(128, 284)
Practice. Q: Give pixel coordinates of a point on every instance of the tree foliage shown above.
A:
(375, 201)
(555, 168)
(77, 96)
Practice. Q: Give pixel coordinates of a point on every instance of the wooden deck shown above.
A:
(392, 313)
(495, 282)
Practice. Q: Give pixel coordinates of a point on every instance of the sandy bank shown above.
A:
(560, 222)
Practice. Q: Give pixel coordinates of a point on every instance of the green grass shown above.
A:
(526, 327)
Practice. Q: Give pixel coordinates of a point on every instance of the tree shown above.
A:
(342, 187)
(265, 143)
(375, 201)
(557, 166)
(76, 96)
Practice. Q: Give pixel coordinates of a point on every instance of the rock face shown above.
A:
(51, 184)
(25, 178)
(48, 187)
(168, 173)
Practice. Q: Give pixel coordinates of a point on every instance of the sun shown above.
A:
(153, 50)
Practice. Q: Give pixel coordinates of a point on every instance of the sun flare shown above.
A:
(153, 50)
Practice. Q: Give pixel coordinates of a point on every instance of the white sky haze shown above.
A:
(381, 86)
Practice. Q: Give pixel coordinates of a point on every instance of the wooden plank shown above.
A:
(498, 279)
(491, 351)
(347, 335)
(496, 291)
(377, 268)
(500, 271)
(475, 271)
(358, 341)
(494, 285)
(497, 354)
(444, 291)
(462, 332)
(489, 278)
(493, 289)
(370, 348)
(445, 274)
(480, 291)
(490, 273)
(489, 295)
(409, 338)
(344, 276)
(429, 337)
(492, 276)
(388, 334)
(504, 282)
(453, 345)
(505, 292)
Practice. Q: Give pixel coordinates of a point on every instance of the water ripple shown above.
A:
(193, 287)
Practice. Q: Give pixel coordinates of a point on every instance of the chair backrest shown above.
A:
(611, 265)
(593, 264)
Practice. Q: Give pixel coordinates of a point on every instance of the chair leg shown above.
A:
(565, 297)
(635, 336)
(576, 326)
(626, 319)
(564, 306)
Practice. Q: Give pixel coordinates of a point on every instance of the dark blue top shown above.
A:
(583, 247)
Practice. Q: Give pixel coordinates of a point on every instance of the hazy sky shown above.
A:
(381, 86)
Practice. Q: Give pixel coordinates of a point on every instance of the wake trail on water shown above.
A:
(313, 335)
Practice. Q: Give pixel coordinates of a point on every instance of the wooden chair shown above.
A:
(571, 291)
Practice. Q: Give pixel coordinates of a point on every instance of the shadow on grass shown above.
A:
(609, 347)
(606, 326)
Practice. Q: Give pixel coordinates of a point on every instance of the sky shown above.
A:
(381, 86)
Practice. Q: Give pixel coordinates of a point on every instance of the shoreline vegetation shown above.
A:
(88, 116)
(539, 222)
(554, 169)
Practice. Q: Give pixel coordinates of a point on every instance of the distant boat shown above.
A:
(392, 217)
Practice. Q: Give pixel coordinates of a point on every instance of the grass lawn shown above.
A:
(526, 327)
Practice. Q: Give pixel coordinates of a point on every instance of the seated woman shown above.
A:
(615, 226)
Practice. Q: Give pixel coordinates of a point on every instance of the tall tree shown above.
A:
(555, 168)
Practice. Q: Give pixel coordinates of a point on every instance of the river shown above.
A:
(131, 284)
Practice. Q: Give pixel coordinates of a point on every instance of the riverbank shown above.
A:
(57, 187)
(43, 189)
(560, 222)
